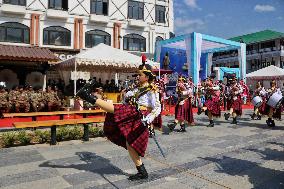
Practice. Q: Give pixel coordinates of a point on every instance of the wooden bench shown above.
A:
(54, 123)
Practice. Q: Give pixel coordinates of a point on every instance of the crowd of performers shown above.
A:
(268, 102)
(131, 123)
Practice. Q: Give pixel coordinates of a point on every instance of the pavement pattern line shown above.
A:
(180, 170)
(236, 148)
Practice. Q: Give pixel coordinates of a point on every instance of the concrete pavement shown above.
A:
(248, 155)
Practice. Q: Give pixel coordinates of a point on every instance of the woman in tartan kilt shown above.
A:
(212, 100)
(272, 113)
(126, 124)
(183, 108)
(235, 101)
(259, 91)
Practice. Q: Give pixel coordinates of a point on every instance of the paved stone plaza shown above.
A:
(248, 155)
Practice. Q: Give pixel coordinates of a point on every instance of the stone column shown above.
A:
(34, 29)
(116, 34)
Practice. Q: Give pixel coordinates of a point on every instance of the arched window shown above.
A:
(14, 32)
(158, 38)
(134, 42)
(95, 37)
(56, 35)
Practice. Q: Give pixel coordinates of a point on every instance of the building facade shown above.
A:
(264, 48)
(65, 27)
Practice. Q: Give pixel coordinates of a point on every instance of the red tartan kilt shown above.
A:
(184, 112)
(125, 125)
(236, 105)
(276, 114)
(262, 109)
(158, 121)
(213, 105)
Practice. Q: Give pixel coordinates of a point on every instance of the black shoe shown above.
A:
(85, 93)
(206, 112)
(172, 126)
(227, 116)
(211, 124)
(182, 128)
(234, 121)
(142, 173)
(258, 117)
(270, 122)
(199, 111)
(253, 116)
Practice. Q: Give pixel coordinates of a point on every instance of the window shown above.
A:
(15, 2)
(99, 7)
(268, 44)
(160, 14)
(14, 32)
(56, 35)
(58, 4)
(134, 42)
(136, 10)
(95, 37)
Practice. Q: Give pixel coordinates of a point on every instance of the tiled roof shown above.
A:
(258, 36)
(24, 53)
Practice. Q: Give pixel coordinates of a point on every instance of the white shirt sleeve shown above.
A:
(216, 88)
(154, 102)
(241, 89)
(187, 92)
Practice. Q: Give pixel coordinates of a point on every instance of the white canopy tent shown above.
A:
(103, 58)
(266, 75)
(270, 72)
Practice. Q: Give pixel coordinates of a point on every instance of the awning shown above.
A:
(104, 58)
(24, 53)
(270, 72)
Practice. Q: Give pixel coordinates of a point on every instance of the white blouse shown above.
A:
(149, 100)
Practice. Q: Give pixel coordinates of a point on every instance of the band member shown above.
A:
(183, 109)
(37, 99)
(212, 100)
(259, 91)
(53, 101)
(22, 103)
(200, 94)
(234, 104)
(126, 124)
(5, 106)
(270, 111)
(245, 93)
(157, 123)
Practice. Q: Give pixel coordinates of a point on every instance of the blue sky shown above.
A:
(228, 18)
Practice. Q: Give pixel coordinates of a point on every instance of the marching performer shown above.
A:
(234, 104)
(183, 109)
(273, 105)
(259, 94)
(125, 124)
(212, 100)
(161, 87)
(245, 94)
